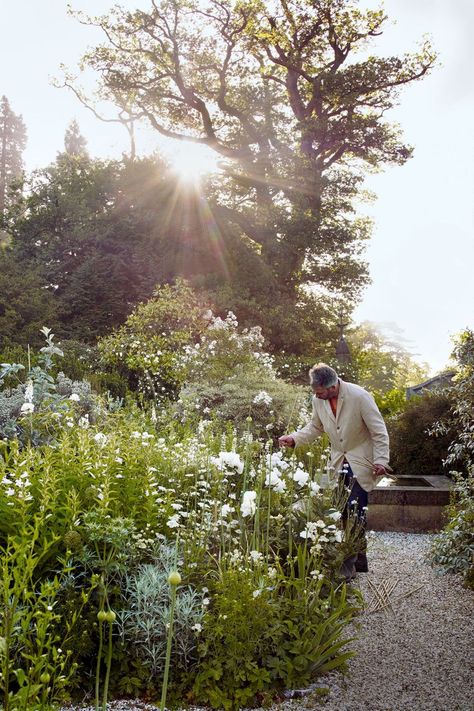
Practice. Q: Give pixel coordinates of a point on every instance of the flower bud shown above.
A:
(174, 578)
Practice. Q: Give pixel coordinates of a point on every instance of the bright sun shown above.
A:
(191, 161)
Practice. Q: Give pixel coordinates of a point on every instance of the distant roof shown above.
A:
(442, 380)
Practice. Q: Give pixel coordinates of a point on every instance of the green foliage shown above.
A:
(30, 409)
(145, 613)
(149, 349)
(391, 403)
(34, 668)
(412, 451)
(12, 144)
(229, 374)
(383, 364)
(25, 305)
(93, 238)
(461, 452)
(453, 549)
(232, 654)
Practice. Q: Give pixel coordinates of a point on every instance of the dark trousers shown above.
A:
(357, 502)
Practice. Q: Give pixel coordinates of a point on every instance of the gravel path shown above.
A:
(417, 656)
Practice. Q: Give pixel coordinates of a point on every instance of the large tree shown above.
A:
(12, 144)
(285, 93)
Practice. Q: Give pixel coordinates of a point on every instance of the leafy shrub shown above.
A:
(412, 451)
(145, 615)
(453, 548)
(231, 375)
(148, 350)
(30, 409)
(232, 653)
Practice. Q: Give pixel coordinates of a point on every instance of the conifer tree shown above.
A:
(12, 144)
(74, 142)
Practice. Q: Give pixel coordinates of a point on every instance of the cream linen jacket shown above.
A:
(357, 433)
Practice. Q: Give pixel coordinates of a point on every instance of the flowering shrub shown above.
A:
(239, 515)
(149, 350)
(30, 409)
(230, 375)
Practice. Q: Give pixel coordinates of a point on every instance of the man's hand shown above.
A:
(286, 441)
(379, 470)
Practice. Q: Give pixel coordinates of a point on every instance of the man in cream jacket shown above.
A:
(357, 433)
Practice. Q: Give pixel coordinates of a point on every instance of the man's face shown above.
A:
(325, 393)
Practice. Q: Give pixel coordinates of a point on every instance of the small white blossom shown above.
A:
(100, 438)
(74, 397)
(262, 397)
(248, 506)
(301, 477)
(27, 408)
(226, 509)
(228, 460)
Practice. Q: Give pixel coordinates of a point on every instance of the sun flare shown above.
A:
(191, 161)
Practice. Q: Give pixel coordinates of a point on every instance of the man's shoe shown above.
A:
(361, 564)
(347, 570)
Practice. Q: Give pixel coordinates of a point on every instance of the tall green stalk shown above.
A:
(174, 580)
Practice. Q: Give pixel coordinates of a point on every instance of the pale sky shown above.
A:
(421, 255)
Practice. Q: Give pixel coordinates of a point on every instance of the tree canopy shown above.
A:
(278, 90)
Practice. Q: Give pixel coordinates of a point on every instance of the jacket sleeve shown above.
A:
(377, 429)
(309, 432)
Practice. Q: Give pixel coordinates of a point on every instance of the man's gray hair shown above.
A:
(322, 376)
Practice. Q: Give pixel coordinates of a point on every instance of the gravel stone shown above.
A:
(417, 656)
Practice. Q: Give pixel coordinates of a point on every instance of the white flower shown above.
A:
(74, 397)
(226, 510)
(29, 391)
(27, 408)
(275, 460)
(84, 422)
(256, 593)
(228, 460)
(100, 438)
(314, 488)
(119, 460)
(280, 486)
(173, 522)
(301, 477)
(273, 479)
(338, 536)
(248, 506)
(336, 515)
(197, 628)
(262, 397)
(256, 556)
